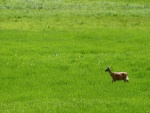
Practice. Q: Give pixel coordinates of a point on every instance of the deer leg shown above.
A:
(113, 80)
(126, 81)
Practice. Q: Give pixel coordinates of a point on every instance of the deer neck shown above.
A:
(111, 73)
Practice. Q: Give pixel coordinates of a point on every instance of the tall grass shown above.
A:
(53, 56)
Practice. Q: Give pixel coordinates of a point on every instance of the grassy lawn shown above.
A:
(53, 56)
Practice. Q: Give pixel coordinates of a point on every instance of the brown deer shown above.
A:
(118, 75)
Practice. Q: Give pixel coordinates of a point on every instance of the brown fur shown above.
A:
(117, 75)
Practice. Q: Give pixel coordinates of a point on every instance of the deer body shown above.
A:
(118, 75)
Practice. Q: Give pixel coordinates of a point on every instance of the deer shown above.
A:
(118, 75)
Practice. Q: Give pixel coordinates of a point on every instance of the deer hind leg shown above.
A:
(126, 80)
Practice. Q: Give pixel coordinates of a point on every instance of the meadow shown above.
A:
(53, 56)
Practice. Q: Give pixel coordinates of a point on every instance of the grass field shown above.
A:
(53, 54)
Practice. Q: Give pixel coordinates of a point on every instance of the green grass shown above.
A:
(53, 56)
